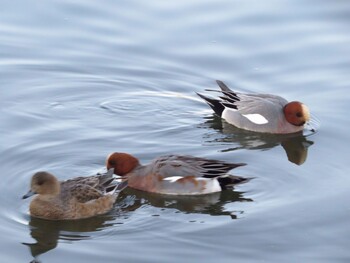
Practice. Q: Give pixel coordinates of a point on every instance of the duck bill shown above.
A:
(29, 194)
(313, 124)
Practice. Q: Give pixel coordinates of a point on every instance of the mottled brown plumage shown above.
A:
(76, 198)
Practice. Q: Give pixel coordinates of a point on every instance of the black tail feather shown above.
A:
(215, 104)
(223, 86)
(227, 182)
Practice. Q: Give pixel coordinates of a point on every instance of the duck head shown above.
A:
(43, 183)
(296, 113)
(123, 163)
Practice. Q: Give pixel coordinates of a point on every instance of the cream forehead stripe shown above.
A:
(256, 118)
(306, 111)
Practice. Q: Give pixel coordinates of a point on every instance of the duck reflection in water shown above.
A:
(211, 204)
(48, 233)
(295, 145)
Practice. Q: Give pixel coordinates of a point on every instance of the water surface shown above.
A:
(80, 80)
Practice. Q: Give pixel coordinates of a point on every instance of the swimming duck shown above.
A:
(77, 198)
(175, 174)
(259, 112)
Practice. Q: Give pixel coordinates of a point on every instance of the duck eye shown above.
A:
(40, 182)
(299, 114)
(112, 162)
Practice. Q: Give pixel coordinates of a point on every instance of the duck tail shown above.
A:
(107, 178)
(223, 86)
(227, 182)
(116, 188)
(215, 104)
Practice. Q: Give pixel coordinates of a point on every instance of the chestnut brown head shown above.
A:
(122, 163)
(296, 113)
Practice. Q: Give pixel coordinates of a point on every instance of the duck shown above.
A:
(76, 198)
(265, 113)
(175, 174)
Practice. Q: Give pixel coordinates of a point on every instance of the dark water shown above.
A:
(80, 79)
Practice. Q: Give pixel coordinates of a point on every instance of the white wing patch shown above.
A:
(256, 118)
(172, 179)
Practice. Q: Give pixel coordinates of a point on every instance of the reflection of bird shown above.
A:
(295, 145)
(259, 112)
(76, 198)
(296, 149)
(47, 233)
(175, 174)
(213, 204)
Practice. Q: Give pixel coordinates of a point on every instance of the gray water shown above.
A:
(81, 79)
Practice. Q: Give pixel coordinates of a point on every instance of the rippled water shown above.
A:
(82, 79)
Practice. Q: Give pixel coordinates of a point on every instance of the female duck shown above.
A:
(76, 198)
